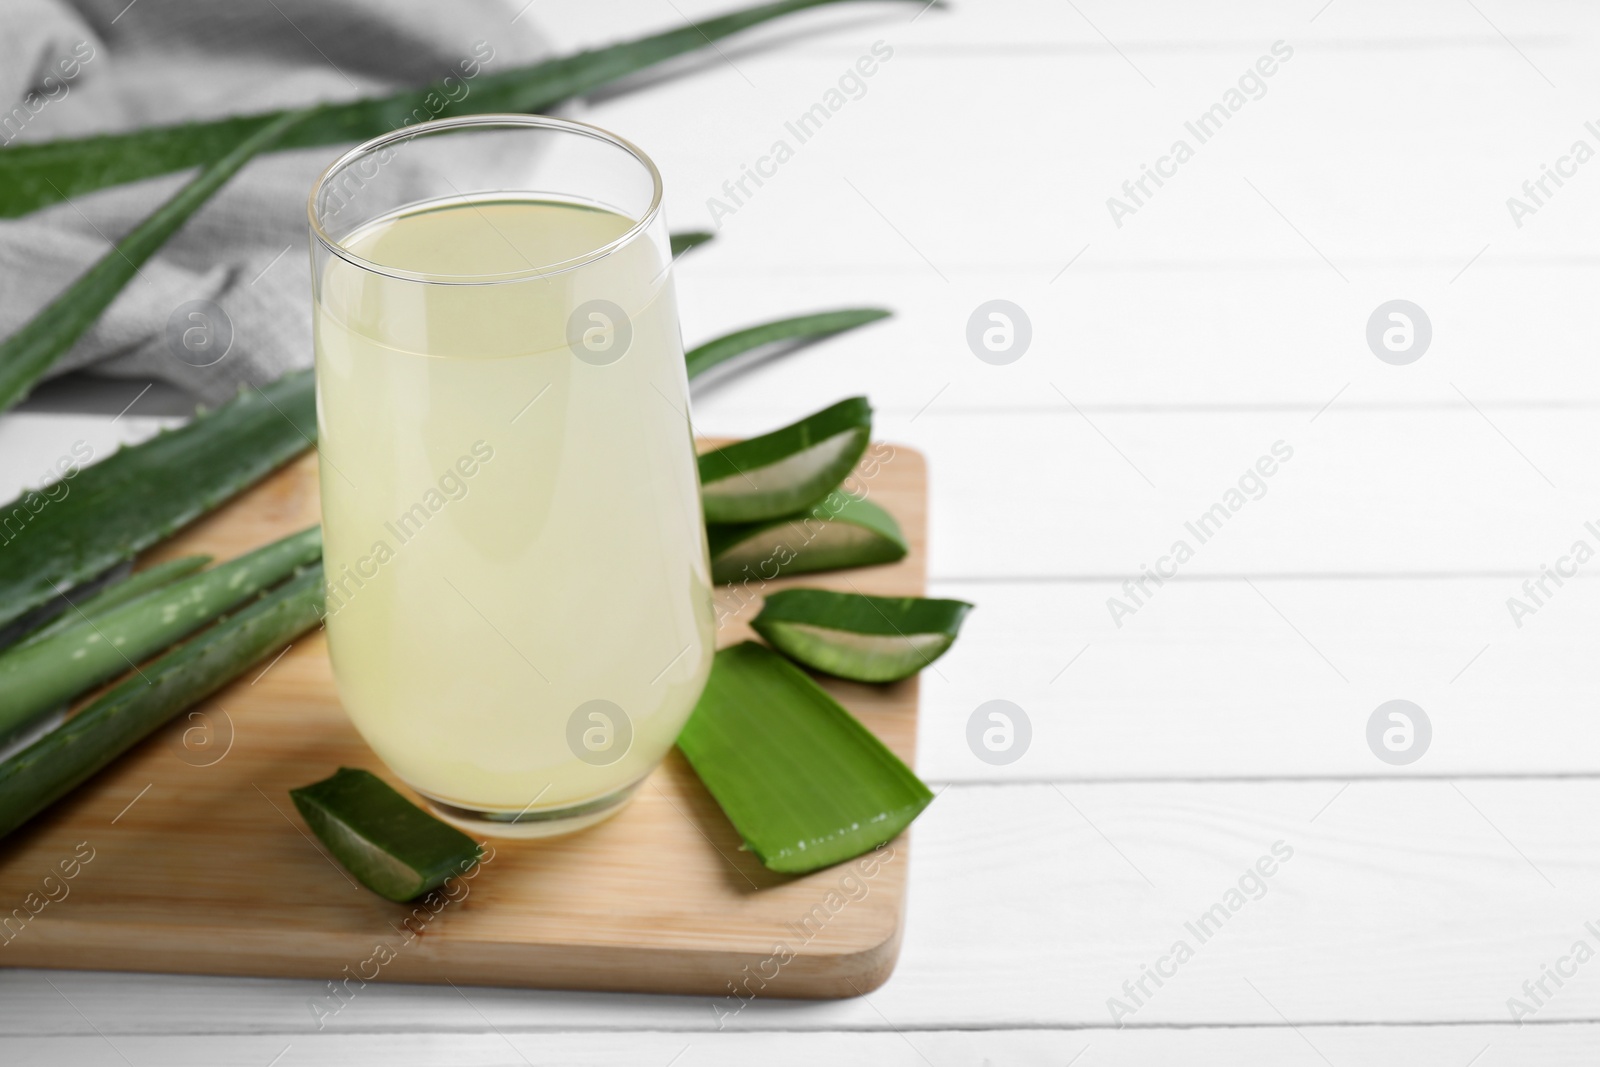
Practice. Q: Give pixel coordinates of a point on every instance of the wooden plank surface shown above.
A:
(1210, 681)
(1403, 902)
(189, 857)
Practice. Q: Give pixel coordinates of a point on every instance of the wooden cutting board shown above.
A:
(187, 855)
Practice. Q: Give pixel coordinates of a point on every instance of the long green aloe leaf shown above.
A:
(863, 638)
(839, 532)
(136, 497)
(393, 847)
(34, 175)
(787, 470)
(114, 595)
(39, 676)
(800, 328)
(27, 354)
(804, 783)
(65, 758)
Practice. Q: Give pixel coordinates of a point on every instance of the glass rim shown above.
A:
(490, 120)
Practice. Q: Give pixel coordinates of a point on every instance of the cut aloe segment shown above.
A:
(863, 638)
(138, 496)
(393, 847)
(787, 470)
(804, 783)
(116, 594)
(839, 532)
(796, 330)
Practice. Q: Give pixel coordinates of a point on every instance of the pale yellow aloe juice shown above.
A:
(512, 532)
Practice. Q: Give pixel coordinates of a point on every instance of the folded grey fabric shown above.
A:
(227, 300)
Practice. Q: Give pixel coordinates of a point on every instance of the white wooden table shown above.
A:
(1229, 711)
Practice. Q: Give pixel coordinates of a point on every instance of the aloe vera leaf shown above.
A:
(393, 847)
(27, 354)
(840, 532)
(39, 676)
(139, 495)
(804, 783)
(117, 593)
(863, 638)
(683, 242)
(33, 175)
(53, 610)
(800, 328)
(65, 758)
(787, 470)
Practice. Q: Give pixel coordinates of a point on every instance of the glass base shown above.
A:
(544, 822)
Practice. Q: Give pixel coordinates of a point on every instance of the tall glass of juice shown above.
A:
(518, 595)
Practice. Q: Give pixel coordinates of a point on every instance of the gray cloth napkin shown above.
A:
(235, 281)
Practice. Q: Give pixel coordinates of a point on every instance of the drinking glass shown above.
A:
(518, 593)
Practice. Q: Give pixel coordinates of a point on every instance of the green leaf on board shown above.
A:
(40, 675)
(863, 638)
(804, 783)
(798, 329)
(113, 595)
(69, 755)
(787, 470)
(116, 508)
(36, 174)
(842, 531)
(27, 354)
(393, 847)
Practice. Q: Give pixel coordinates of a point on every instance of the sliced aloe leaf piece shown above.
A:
(134, 498)
(38, 676)
(839, 532)
(787, 470)
(27, 354)
(804, 783)
(683, 242)
(863, 638)
(114, 595)
(393, 847)
(799, 329)
(33, 175)
(66, 757)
